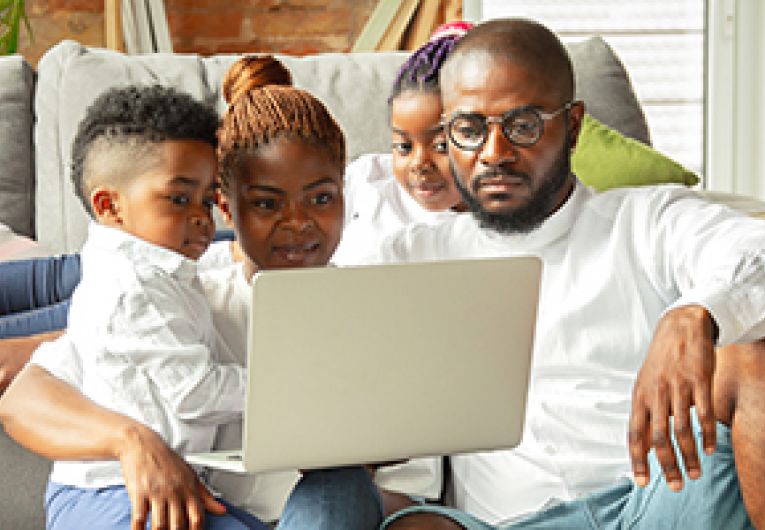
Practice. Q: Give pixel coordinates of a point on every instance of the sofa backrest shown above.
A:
(354, 86)
(16, 154)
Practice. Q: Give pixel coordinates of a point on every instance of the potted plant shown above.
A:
(12, 12)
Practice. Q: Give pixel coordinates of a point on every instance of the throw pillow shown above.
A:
(604, 158)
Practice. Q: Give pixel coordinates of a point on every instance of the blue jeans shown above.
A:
(333, 499)
(71, 508)
(35, 293)
(712, 502)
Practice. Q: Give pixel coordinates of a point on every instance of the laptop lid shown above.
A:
(377, 363)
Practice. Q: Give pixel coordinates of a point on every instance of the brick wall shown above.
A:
(212, 26)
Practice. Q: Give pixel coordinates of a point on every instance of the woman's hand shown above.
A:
(160, 482)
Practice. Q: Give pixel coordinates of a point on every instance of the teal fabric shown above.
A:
(712, 502)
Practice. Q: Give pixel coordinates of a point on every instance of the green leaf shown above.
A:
(12, 12)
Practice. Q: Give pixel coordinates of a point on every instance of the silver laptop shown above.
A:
(373, 364)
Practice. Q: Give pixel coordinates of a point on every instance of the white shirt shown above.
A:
(376, 206)
(217, 256)
(142, 330)
(613, 263)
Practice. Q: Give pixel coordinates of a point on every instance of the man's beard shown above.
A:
(524, 218)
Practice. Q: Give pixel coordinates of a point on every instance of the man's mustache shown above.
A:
(495, 173)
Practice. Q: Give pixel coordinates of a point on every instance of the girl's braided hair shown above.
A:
(421, 70)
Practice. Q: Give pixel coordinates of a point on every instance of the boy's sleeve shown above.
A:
(60, 359)
(159, 348)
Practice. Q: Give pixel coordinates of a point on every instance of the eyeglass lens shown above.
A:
(522, 127)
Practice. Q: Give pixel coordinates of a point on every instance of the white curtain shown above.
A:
(144, 27)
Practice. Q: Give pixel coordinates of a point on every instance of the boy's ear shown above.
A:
(104, 202)
(225, 209)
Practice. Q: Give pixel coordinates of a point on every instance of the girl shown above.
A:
(413, 183)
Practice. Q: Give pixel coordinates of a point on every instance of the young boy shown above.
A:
(144, 166)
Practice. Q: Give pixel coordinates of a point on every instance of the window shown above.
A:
(660, 42)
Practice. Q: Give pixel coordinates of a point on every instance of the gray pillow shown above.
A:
(604, 86)
(16, 165)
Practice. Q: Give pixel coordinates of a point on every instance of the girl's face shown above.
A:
(420, 162)
(286, 204)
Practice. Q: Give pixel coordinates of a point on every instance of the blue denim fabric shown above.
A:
(71, 508)
(710, 503)
(333, 499)
(38, 282)
(34, 294)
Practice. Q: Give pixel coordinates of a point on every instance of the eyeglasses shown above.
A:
(522, 126)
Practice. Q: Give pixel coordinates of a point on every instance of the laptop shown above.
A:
(379, 363)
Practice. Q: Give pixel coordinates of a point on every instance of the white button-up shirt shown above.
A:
(376, 206)
(613, 263)
(142, 332)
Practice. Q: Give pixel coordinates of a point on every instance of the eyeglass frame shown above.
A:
(488, 120)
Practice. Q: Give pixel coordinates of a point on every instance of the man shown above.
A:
(638, 287)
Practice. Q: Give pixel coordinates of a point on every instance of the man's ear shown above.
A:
(575, 119)
(225, 208)
(105, 205)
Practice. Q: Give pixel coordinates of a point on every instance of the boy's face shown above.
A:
(169, 204)
(286, 203)
(420, 159)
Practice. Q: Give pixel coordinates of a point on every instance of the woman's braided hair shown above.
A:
(262, 106)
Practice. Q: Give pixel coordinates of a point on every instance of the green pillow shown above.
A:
(604, 158)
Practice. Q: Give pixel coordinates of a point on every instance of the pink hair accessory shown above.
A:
(457, 28)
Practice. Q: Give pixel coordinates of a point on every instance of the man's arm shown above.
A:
(53, 419)
(16, 352)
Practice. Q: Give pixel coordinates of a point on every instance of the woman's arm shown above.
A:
(15, 353)
(53, 419)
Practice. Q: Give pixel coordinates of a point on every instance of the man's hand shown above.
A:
(676, 375)
(160, 482)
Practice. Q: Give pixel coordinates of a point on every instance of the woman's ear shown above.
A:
(105, 205)
(575, 119)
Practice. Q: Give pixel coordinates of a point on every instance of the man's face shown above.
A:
(508, 187)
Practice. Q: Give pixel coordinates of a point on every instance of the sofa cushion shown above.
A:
(16, 164)
(354, 86)
(21, 489)
(604, 158)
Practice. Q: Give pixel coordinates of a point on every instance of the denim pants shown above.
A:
(35, 293)
(71, 508)
(712, 502)
(347, 499)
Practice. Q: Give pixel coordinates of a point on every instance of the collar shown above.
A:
(102, 238)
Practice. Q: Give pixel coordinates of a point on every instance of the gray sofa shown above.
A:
(39, 113)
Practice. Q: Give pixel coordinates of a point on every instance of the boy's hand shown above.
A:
(160, 482)
(676, 375)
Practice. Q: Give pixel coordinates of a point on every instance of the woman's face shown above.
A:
(420, 161)
(286, 204)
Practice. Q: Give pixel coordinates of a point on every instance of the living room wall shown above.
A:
(297, 27)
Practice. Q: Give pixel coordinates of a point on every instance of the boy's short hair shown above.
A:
(118, 136)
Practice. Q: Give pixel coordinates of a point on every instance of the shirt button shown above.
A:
(550, 450)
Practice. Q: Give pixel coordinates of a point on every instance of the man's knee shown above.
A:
(424, 521)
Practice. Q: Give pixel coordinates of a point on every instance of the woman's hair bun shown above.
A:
(251, 72)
